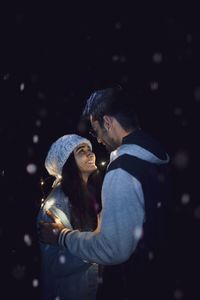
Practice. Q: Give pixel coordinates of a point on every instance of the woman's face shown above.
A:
(85, 159)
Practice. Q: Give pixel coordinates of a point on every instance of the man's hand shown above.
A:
(48, 232)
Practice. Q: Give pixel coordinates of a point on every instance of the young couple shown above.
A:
(121, 229)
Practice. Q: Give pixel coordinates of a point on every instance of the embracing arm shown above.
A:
(120, 224)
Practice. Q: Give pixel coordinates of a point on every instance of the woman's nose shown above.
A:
(90, 153)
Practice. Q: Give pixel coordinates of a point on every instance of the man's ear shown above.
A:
(107, 121)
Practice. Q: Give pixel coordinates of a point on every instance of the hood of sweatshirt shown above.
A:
(143, 146)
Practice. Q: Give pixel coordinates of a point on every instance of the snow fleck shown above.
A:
(188, 38)
(115, 58)
(150, 255)
(38, 123)
(35, 283)
(22, 86)
(181, 159)
(138, 232)
(178, 111)
(6, 76)
(178, 294)
(197, 94)
(197, 212)
(35, 139)
(185, 199)
(119, 58)
(27, 240)
(153, 85)
(62, 259)
(118, 25)
(31, 168)
(159, 204)
(157, 57)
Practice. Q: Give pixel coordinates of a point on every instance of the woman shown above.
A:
(75, 200)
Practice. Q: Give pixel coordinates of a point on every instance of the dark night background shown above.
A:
(52, 56)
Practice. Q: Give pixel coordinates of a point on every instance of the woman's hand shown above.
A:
(49, 232)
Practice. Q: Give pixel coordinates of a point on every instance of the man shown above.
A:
(130, 235)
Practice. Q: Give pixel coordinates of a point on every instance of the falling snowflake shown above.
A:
(138, 232)
(38, 123)
(157, 57)
(197, 94)
(118, 25)
(35, 139)
(115, 58)
(197, 213)
(159, 204)
(188, 38)
(22, 86)
(178, 294)
(27, 240)
(154, 85)
(178, 111)
(62, 259)
(185, 199)
(181, 159)
(151, 255)
(35, 283)
(6, 76)
(31, 169)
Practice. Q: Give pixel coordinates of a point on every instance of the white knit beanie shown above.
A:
(60, 151)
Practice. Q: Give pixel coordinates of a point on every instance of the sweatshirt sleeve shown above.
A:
(120, 224)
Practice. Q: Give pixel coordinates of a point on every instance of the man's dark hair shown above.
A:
(114, 102)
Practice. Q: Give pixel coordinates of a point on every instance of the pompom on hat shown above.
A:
(60, 151)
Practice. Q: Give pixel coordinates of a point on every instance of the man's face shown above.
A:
(103, 136)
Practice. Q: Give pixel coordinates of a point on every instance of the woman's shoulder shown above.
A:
(57, 202)
(56, 198)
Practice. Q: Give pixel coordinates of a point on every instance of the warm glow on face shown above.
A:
(85, 159)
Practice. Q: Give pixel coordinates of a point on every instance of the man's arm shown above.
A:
(120, 225)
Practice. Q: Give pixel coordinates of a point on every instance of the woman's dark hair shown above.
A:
(85, 199)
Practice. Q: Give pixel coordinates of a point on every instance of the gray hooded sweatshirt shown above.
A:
(123, 208)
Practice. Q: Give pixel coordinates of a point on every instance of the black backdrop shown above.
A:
(52, 57)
